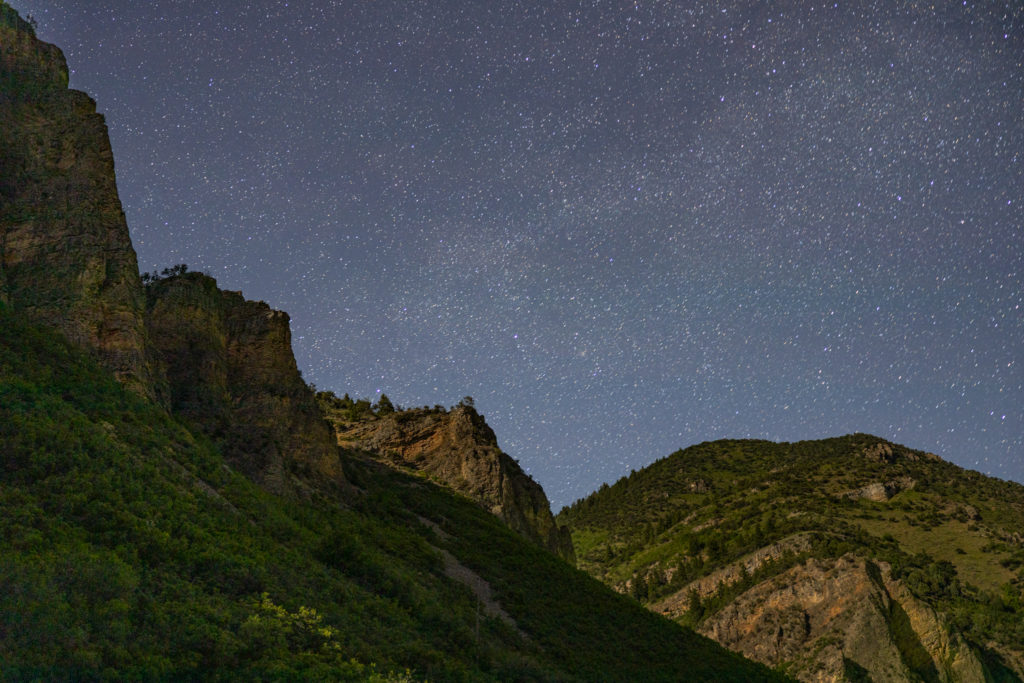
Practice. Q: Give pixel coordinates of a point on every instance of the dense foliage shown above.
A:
(128, 550)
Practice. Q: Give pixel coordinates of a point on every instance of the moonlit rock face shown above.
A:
(458, 449)
(66, 259)
(622, 228)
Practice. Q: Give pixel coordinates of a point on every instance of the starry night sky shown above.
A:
(623, 228)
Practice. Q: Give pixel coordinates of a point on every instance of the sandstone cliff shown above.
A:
(232, 373)
(460, 449)
(66, 261)
(842, 619)
(849, 558)
(66, 258)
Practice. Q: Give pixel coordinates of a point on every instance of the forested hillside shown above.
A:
(132, 550)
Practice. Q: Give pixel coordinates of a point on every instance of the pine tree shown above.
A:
(384, 405)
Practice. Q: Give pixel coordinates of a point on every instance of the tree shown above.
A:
(173, 271)
(694, 605)
(639, 588)
(384, 405)
(179, 269)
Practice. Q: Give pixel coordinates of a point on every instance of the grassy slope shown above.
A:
(952, 537)
(128, 550)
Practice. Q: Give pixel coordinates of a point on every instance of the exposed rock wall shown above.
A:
(835, 620)
(460, 449)
(66, 258)
(881, 492)
(677, 603)
(232, 373)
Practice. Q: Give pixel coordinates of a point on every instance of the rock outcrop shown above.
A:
(460, 449)
(880, 492)
(232, 373)
(677, 603)
(843, 619)
(66, 259)
(883, 451)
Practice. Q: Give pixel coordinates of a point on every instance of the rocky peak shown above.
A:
(458, 448)
(882, 451)
(66, 259)
(25, 61)
(232, 373)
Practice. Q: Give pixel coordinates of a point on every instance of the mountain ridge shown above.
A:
(750, 541)
(458, 448)
(174, 505)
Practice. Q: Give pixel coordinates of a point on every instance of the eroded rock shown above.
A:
(460, 449)
(66, 259)
(232, 373)
(831, 620)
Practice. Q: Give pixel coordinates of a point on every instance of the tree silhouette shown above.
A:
(384, 405)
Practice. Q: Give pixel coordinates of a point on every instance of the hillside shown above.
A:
(132, 549)
(173, 505)
(830, 560)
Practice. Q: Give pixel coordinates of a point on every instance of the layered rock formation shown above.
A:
(849, 558)
(232, 373)
(677, 603)
(460, 449)
(66, 258)
(843, 619)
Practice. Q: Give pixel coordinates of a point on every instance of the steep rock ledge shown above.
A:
(232, 373)
(839, 619)
(460, 449)
(66, 258)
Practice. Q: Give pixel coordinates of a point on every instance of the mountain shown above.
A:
(131, 548)
(65, 256)
(458, 449)
(231, 373)
(174, 506)
(843, 559)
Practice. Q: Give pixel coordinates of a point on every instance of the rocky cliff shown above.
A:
(842, 619)
(458, 448)
(849, 558)
(66, 258)
(232, 373)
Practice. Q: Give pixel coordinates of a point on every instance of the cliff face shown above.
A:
(232, 373)
(66, 258)
(840, 619)
(849, 558)
(460, 449)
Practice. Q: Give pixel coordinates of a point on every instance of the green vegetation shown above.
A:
(347, 409)
(10, 18)
(952, 536)
(129, 550)
(172, 271)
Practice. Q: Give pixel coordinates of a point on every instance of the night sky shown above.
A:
(623, 228)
